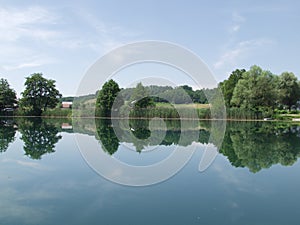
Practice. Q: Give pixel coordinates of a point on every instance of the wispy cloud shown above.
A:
(36, 36)
(16, 24)
(23, 34)
(28, 64)
(235, 28)
(104, 36)
(235, 51)
(238, 18)
(236, 22)
(240, 51)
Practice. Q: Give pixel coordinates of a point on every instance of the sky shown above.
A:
(63, 39)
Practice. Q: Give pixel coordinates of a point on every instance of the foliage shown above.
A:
(106, 98)
(204, 113)
(228, 86)
(242, 113)
(177, 96)
(140, 97)
(67, 99)
(252, 94)
(289, 89)
(255, 91)
(181, 94)
(57, 112)
(156, 90)
(199, 96)
(7, 95)
(39, 94)
(80, 102)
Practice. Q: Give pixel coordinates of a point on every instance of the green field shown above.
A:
(182, 106)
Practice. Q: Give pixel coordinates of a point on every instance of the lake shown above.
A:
(50, 173)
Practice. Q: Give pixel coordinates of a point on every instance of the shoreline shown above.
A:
(155, 118)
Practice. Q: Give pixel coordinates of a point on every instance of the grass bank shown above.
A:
(173, 111)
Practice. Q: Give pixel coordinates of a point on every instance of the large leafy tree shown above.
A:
(289, 90)
(227, 86)
(256, 90)
(106, 98)
(39, 94)
(7, 95)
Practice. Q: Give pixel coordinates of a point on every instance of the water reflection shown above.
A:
(253, 145)
(258, 145)
(39, 137)
(106, 135)
(7, 134)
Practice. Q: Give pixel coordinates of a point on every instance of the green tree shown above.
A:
(7, 95)
(227, 86)
(289, 90)
(179, 95)
(199, 97)
(40, 93)
(256, 91)
(140, 97)
(106, 98)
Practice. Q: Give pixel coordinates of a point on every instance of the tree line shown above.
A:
(254, 94)
(260, 91)
(143, 101)
(251, 94)
(39, 95)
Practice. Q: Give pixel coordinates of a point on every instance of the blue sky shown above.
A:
(62, 39)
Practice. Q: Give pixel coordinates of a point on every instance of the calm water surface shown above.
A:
(45, 180)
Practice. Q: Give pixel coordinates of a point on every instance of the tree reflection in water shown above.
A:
(106, 136)
(254, 145)
(7, 134)
(39, 137)
(258, 145)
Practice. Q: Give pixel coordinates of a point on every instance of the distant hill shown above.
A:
(67, 99)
